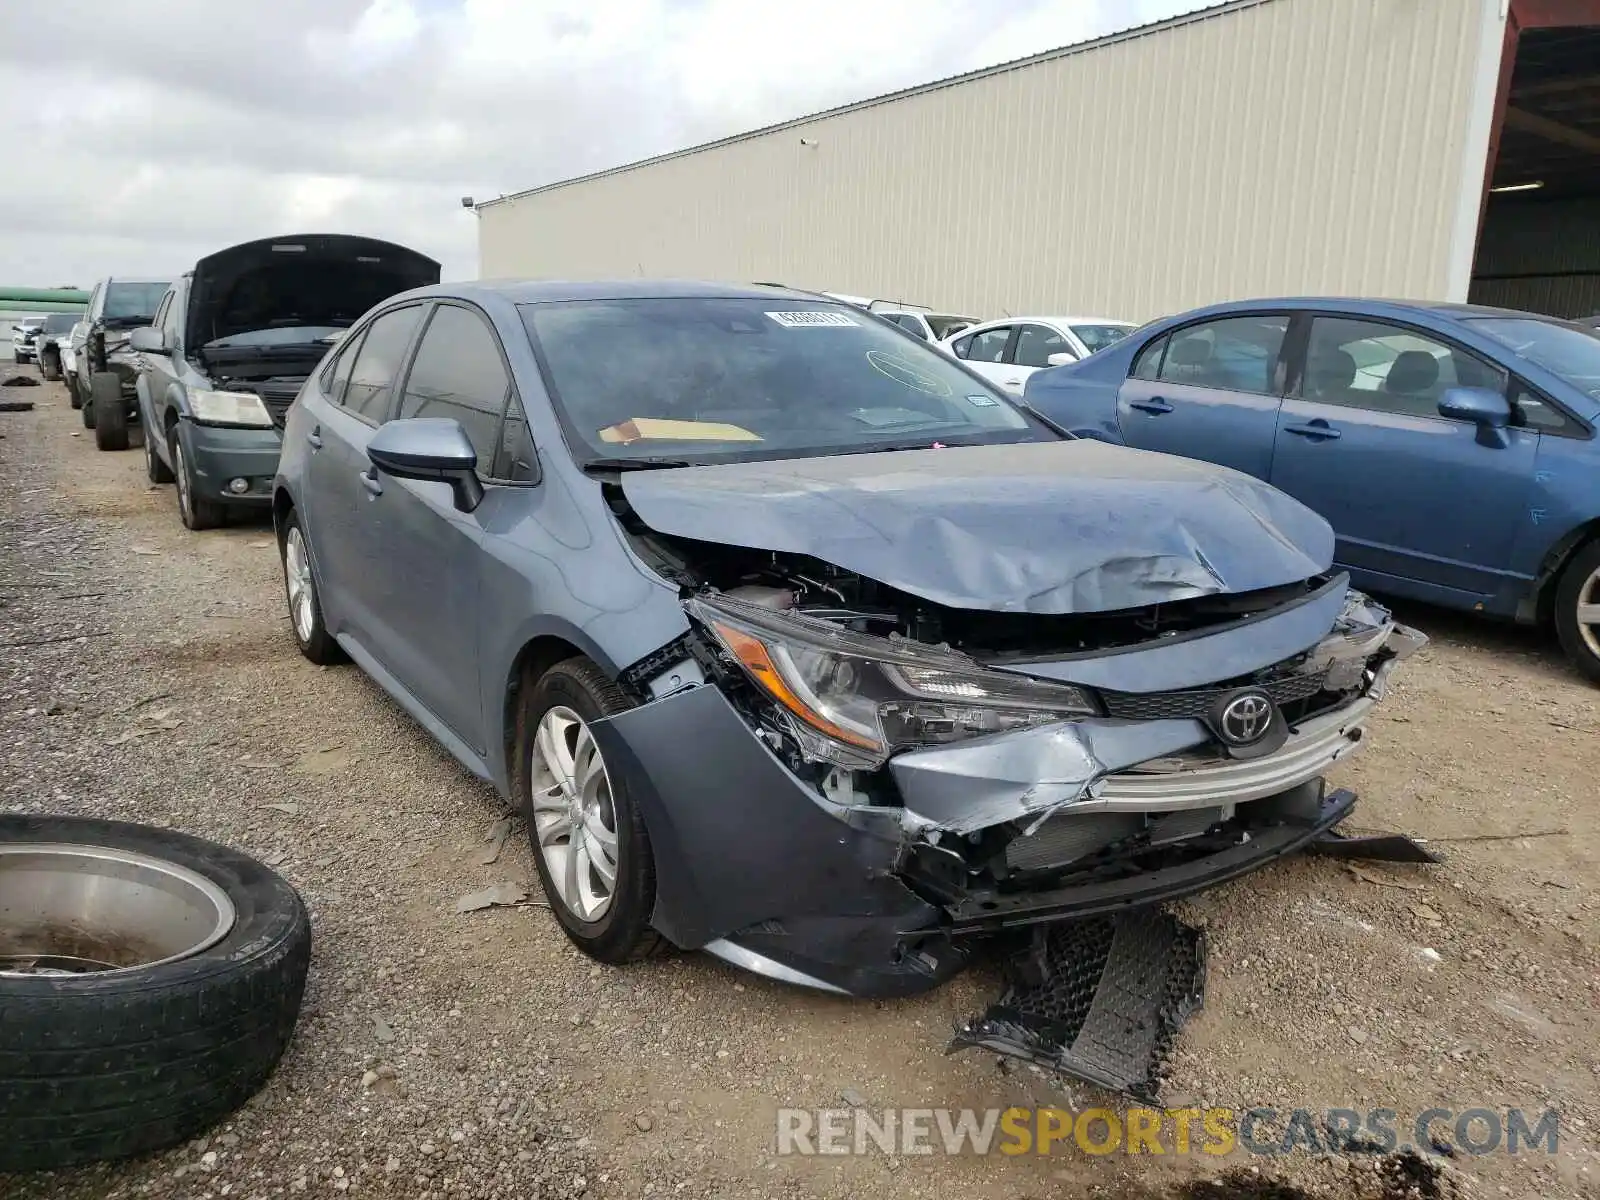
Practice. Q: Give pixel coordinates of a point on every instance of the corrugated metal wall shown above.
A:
(1543, 256)
(1274, 147)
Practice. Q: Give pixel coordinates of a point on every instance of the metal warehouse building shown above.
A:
(1427, 149)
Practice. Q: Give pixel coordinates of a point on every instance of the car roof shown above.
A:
(138, 279)
(1364, 305)
(1025, 318)
(544, 291)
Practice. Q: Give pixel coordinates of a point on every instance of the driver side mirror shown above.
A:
(1061, 358)
(148, 340)
(434, 449)
(1481, 406)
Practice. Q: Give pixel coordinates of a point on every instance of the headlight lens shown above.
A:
(228, 408)
(851, 699)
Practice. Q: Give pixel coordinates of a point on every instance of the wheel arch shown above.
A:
(1541, 606)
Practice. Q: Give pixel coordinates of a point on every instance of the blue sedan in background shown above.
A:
(1452, 447)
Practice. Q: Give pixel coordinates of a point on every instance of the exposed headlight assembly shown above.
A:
(851, 698)
(228, 408)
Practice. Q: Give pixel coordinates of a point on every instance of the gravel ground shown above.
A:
(478, 1055)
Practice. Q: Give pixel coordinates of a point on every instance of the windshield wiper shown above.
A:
(633, 464)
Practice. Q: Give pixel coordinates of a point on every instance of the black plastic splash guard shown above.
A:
(1101, 999)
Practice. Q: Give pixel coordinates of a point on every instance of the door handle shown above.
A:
(315, 438)
(1155, 406)
(370, 481)
(1317, 431)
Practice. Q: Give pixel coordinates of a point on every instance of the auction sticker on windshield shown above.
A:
(809, 320)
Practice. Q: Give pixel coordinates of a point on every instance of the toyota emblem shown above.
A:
(1245, 719)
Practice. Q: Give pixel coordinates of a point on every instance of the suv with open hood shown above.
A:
(230, 346)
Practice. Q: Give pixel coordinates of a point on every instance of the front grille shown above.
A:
(1196, 703)
(278, 394)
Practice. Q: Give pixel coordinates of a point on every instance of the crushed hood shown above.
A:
(1039, 527)
(298, 279)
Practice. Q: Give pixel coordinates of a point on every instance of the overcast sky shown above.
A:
(144, 135)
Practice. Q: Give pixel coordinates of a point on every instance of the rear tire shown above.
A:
(50, 367)
(621, 933)
(196, 512)
(104, 1064)
(1577, 598)
(110, 412)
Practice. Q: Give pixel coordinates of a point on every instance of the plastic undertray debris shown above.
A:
(1101, 999)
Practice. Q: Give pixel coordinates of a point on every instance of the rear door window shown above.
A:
(377, 361)
(1236, 354)
(1148, 364)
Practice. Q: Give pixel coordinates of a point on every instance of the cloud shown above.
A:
(144, 136)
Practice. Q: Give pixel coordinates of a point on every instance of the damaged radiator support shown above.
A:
(1101, 999)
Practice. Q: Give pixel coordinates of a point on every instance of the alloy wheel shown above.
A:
(90, 909)
(302, 591)
(575, 822)
(1589, 612)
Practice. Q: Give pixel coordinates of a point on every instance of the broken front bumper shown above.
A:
(826, 887)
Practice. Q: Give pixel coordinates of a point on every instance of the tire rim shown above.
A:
(297, 577)
(1588, 614)
(575, 822)
(181, 471)
(67, 909)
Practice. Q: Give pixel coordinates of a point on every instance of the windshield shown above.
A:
(1098, 337)
(126, 301)
(1569, 351)
(711, 380)
(60, 322)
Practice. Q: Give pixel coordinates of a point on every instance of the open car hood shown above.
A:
(298, 279)
(1045, 527)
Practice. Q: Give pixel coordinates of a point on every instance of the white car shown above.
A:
(1007, 351)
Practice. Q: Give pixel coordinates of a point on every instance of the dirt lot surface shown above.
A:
(159, 682)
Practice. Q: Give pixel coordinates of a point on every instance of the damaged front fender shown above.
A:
(738, 840)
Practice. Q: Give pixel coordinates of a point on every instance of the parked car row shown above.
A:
(1004, 351)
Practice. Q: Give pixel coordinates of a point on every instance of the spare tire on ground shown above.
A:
(149, 984)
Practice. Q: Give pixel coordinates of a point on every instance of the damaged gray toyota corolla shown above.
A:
(798, 643)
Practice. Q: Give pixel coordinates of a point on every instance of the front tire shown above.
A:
(110, 412)
(589, 841)
(195, 511)
(149, 982)
(74, 396)
(50, 367)
(156, 470)
(1577, 610)
(305, 608)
